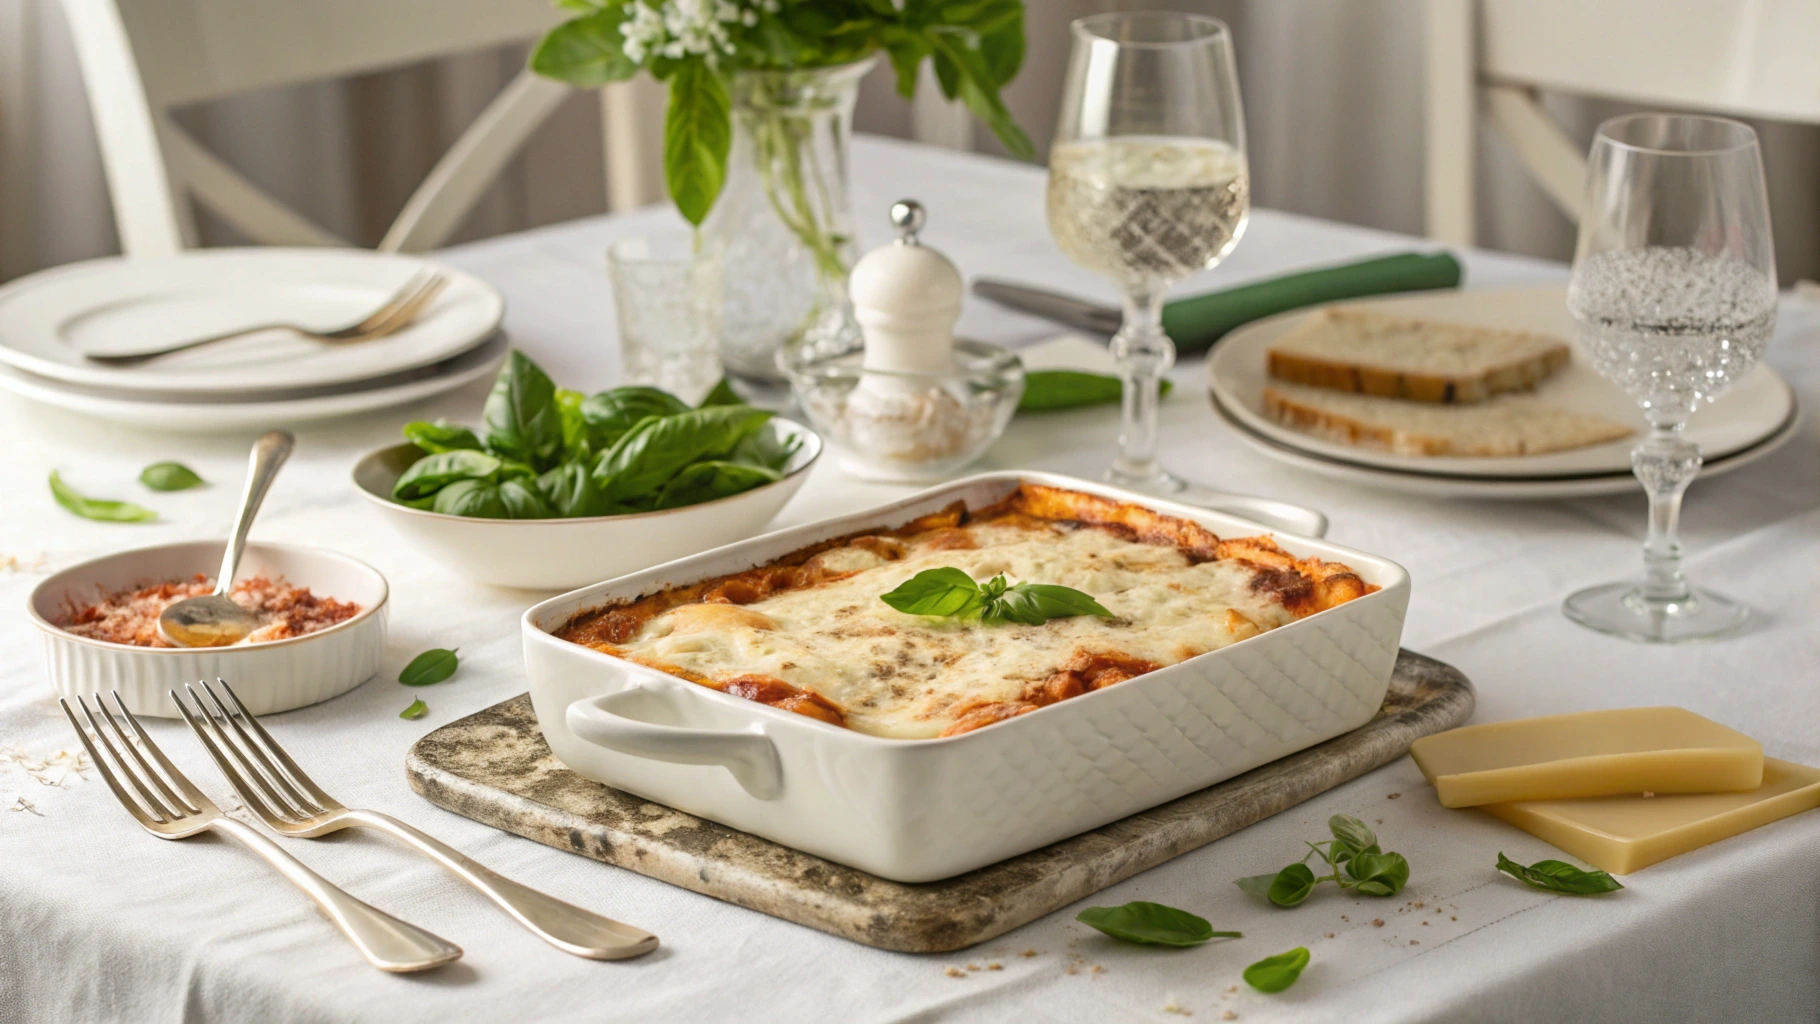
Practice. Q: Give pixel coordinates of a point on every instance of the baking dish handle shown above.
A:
(750, 756)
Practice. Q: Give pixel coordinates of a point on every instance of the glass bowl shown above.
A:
(908, 427)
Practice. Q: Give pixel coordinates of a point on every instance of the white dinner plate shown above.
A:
(1755, 408)
(115, 305)
(225, 413)
(1435, 485)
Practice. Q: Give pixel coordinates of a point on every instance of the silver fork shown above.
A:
(397, 313)
(169, 807)
(291, 804)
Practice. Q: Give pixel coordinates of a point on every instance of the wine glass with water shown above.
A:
(1674, 298)
(1147, 185)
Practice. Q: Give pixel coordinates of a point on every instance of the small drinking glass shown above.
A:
(1674, 298)
(667, 291)
(1147, 185)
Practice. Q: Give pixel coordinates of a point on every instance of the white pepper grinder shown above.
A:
(906, 298)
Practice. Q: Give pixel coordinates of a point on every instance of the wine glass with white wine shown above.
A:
(1147, 185)
(1674, 298)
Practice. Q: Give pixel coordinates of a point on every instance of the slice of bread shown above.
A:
(1503, 426)
(1349, 349)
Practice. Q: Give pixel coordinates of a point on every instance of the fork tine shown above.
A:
(303, 782)
(152, 802)
(397, 299)
(251, 762)
(192, 797)
(107, 774)
(171, 799)
(406, 313)
(241, 786)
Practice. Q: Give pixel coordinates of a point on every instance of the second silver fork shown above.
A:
(290, 803)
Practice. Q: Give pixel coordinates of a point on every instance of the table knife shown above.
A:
(1063, 309)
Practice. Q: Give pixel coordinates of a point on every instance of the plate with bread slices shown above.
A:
(1481, 388)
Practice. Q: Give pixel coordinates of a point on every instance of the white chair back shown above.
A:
(1750, 58)
(142, 58)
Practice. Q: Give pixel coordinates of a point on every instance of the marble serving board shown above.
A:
(494, 767)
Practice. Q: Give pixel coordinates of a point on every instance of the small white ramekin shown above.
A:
(269, 677)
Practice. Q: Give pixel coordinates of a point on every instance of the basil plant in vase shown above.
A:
(756, 131)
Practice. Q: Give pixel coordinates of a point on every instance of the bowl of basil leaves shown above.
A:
(557, 490)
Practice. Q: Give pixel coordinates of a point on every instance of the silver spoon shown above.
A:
(215, 620)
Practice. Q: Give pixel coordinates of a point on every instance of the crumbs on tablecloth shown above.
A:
(22, 804)
(1177, 1008)
(1393, 796)
(13, 563)
(131, 616)
(1414, 942)
(50, 770)
(994, 965)
(1029, 953)
(1229, 1015)
(1377, 922)
(956, 972)
(1330, 935)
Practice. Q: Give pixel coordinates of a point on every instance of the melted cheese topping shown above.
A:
(912, 677)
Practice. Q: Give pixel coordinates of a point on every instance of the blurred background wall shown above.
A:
(1333, 96)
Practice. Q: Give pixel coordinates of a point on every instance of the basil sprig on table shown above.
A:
(99, 509)
(1352, 858)
(546, 452)
(1051, 390)
(169, 476)
(951, 593)
(1152, 924)
(1276, 973)
(1559, 876)
(432, 666)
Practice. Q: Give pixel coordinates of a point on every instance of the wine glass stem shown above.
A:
(1144, 355)
(1666, 463)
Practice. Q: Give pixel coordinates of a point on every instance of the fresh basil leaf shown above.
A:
(1379, 874)
(417, 710)
(571, 491)
(706, 481)
(99, 509)
(1559, 876)
(1257, 885)
(522, 420)
(1291, 885)
(169, 476)
(587, 51)
(1036, 603)
(522, 500)
(767, 448)
(440, 436)
(1276, 973)
(978, 88)
(721, 394)
(1151, 924)
(610, 415)
(1002, 45)
(698, 134)
(432, 666)
(432, 473)
(476, 499)
(945, 591)
(1052, 390)
(657, 449)
(575, 441)
(1352, 832)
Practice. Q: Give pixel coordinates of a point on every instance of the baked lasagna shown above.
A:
(809, 633)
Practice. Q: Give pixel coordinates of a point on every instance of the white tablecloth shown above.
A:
(101, 922)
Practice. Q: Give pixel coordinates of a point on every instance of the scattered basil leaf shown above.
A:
(417, 710)
(522, 420)
(570, 490)
(99, 509)
(1352, 832)
(656, 449)
(432, 473)
(1276, 973)
(1559, 876)
(1051, 390)
(1291, 885)
(1379, 874)
(432, 666)
(946, 591)
(1151, 924)
(610, 415)
(169, 476)
(476, 499)
(706, 481)
(722, 394)
(1257, 885)
(440, 436)
(1036, 603)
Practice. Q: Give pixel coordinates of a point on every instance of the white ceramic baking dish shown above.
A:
(919, 810)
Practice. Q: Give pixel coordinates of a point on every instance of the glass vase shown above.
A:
(783, 224)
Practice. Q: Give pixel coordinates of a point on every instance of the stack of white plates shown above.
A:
(50, 322)
(1753, 418)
